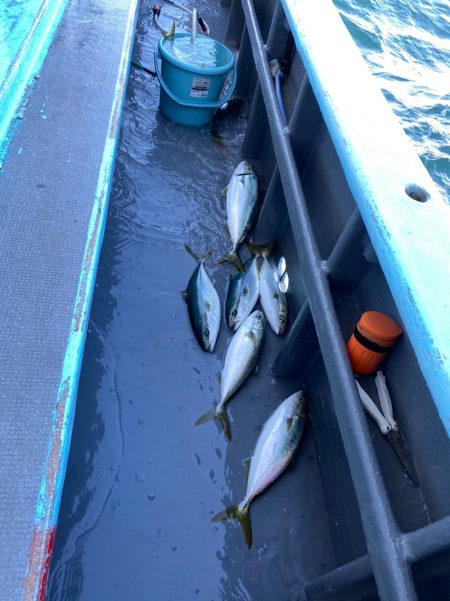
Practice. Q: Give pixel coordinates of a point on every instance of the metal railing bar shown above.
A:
(429, 540)
(388, 560)
(338, 582)
(255, 133)
(273, 214)
(422, 544)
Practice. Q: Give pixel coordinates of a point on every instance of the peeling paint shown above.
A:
(90, 255)
(40, 555)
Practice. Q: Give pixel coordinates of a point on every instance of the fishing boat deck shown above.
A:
(143, 481)
(54, 189)
(344, 521)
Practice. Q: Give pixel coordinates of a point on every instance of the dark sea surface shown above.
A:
(407, 47)
(142, 480)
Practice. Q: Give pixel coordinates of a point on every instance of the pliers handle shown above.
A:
(387, 423)
(373, 410)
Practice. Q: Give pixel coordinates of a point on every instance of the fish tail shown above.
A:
(233, 257)
(170, 35)
(207, 417)
(262, 251)
(242, 514)
(195, 255)
(221, 416)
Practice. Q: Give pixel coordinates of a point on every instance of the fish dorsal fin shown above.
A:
(289, 422)
(184, 295)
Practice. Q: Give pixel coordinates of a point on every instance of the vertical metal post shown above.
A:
(299, 346)
(236, 23)
(346, 261)
(245, 66)
(273, 215)
(257, 122)
(342, 266)
(278, 33)
(257, 128)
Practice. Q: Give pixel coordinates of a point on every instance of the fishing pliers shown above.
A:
(386, 422)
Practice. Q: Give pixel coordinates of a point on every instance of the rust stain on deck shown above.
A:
(90, 253)
(42, 541)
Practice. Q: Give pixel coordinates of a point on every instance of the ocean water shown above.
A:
(407, 47)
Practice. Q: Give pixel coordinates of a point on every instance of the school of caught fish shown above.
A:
(260, 279)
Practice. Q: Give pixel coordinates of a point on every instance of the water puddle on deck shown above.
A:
(143, 481)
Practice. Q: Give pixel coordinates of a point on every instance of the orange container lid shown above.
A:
(379, 327)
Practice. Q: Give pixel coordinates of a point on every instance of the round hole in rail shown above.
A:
(417, 193)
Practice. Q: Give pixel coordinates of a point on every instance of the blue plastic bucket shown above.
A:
(190, 93)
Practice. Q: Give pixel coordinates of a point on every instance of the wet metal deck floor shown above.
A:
(142, 480)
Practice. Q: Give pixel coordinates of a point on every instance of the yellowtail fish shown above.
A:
(242, 294)
(273, 299)
(275, 448)
(242, 205)
(273, 284)
(240, 360)
(204, 307)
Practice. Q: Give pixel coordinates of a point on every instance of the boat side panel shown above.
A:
(410, 237)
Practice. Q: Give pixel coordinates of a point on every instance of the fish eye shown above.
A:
(282, 319)
(234, 313)
(207, 332)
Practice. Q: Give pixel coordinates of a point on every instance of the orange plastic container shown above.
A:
(374, 335)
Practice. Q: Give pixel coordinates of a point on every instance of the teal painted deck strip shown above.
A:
(54, 190)
(27, 28)
(411, 238)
